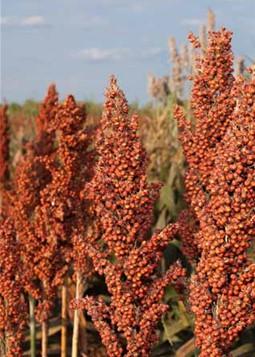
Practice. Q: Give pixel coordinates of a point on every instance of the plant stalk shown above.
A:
(64, 321)
(44, 339)
(32, 327)
(76, 319)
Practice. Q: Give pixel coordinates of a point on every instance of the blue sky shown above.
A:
(78, 43)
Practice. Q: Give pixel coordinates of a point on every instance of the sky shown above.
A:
(78, 44)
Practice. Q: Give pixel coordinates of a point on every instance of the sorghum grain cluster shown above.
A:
(125, 253)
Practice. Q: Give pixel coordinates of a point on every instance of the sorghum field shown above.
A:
(128, 230)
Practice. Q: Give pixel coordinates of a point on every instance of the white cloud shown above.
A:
(98, 54)
(33, 21)
(29, 21)
(116, 54)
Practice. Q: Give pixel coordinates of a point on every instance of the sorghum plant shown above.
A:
(211, 99)
(4, 158)
(122, 201)
(44, 143)
(47, 112)
(31, 177)
(56, 216)
(62, 212)
(188, 225)
(50, 216)
(220, 189)
(4, 145)
(13, 312)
